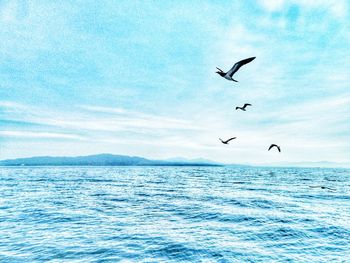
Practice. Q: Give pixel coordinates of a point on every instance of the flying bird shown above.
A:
(244, 106)
(228, 75)
(274, 145)
(226, 142)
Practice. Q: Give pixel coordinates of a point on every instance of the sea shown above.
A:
(174, 214)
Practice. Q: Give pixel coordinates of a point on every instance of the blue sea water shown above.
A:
(174, 214)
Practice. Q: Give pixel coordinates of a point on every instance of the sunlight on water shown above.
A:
(174, 214)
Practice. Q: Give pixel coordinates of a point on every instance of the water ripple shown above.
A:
(174, 214)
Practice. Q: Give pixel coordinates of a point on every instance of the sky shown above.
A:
(138, 78)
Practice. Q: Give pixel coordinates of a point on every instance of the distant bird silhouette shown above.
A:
(226, 142)
(228, 75)
(274, 145)
(244, 106)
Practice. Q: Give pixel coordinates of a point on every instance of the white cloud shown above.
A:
(11, 105)
(338, 8)
(140, 119)
(40, 135)
(96, 118)
(304, 125)
(8, 12)
(272, 5)
(103, 109)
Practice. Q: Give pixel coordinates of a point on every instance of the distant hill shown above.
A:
(99, 160)
(123, 160)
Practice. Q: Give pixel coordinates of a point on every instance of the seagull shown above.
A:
(244, 106)
(274, 145)
(228, 75)
(226, 142)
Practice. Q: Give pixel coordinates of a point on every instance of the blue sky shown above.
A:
(138, 78)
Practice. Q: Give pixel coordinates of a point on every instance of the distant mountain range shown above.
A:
(103, 160)
(123, 160)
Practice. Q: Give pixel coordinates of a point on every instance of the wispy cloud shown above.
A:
(337, 8)
(40, 135)
(121, 81)
(134, 119)
(91, 120)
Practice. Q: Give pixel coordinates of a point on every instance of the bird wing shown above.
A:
(239, 64)
(237, 108)
(272, 145)
(231, 139)
(279, 149)
(247, 104)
